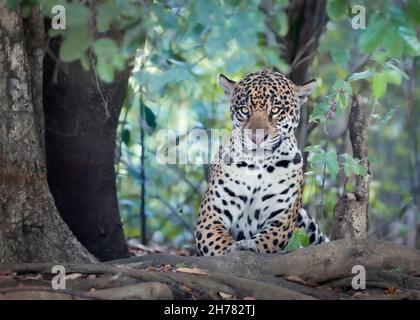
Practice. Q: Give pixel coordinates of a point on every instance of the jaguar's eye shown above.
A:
(275, 110)
(244, 110)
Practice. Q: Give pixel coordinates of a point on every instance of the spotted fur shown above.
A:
(253, 200)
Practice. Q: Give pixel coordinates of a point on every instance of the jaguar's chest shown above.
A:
(265, 189)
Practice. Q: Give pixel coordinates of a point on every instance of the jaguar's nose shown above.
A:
(258, 136)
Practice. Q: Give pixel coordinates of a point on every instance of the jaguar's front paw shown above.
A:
(243, 245)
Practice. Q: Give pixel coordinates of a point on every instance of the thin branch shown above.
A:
(104, 101)
(174, 212)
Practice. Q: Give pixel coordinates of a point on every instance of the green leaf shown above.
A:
(314, 148)
(395, 14)
(360, 170)
(372, 37)
(392, 76)
(393, 43)
(150, 117)
(105, 71)
(77, 36)
(337, 9)
(126, 136)
(392, 66)
(332, 164)
(77, 15)
(379, 84)
(76, 41)
(133, 39)
(106, 14)
(109, 59)
(318, 113)
(352, 165)
(105, 48)
(412, 11)
(410, 38)
(342, 90)
(341, 85)
(361, 75)
(348, 164)
(319, 156)
(298, 240)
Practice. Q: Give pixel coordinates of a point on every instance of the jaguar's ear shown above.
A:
(226, 84)
(305, 90)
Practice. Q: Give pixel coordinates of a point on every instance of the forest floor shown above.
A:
(319, 272)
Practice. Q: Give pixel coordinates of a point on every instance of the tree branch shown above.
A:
(351, 211)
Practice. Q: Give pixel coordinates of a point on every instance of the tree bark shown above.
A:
(307, 20)
(307, 273)
(81, 115)
(31, 229)
(351, 211)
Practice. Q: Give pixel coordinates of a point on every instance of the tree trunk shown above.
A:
(307, 20)
(31, 229)
(81, 115)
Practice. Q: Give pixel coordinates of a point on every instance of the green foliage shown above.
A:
(178, 47)
(373, 36)
(353, 166)
(109, 58)
(299, 240)
(107, 13)
(318, 157)
(379, 84)
(342, 91)
(176, 77)
(340, 96)
(150, 118)
(126, 137)
(361, 75)
(77, 35)
(321, 157)
(337, 9)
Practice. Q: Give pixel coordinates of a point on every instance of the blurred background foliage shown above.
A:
(190, 42)
(177, 48)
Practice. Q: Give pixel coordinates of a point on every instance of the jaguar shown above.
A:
(254, 195)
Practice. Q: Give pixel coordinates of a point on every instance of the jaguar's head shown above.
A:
(265, 107)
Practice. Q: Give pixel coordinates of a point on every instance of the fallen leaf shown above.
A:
(295, 279)
(249, 298)
(391, 290)
(225, 295)
(186, 288)
(151, 268)
(360, 294)
(167, 267)
(37, 277)
(73, 276)
(192, 271)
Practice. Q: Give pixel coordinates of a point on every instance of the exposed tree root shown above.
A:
(319, 272)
